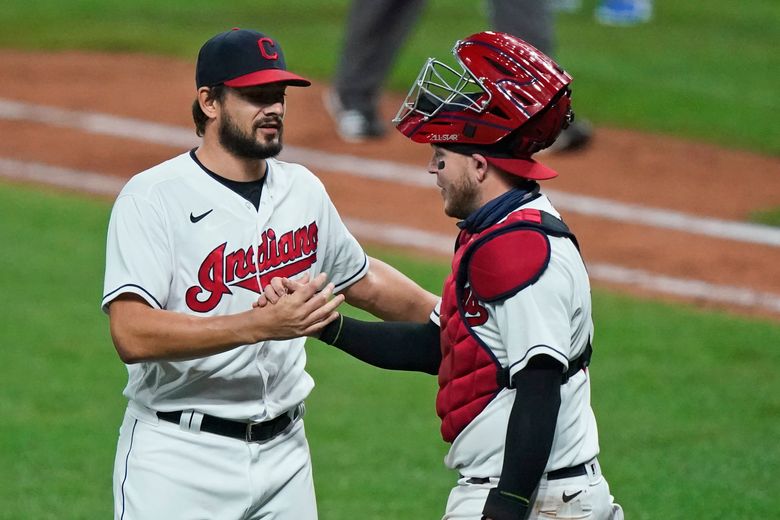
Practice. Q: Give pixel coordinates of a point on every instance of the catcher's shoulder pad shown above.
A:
(507, 261)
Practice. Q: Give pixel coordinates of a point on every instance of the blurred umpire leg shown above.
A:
(529, 20)
(375, 32)
(534, 22)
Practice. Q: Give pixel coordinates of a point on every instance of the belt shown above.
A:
(558, 474)
(249, 432)
(574, 471)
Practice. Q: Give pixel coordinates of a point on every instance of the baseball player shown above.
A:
(213, 427)
(511, 338)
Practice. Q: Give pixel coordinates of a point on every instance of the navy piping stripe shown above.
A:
(453, 117)
(137, 287)
(474, 334)
(348, 280)
(527, 356)
(447, 116)
(514, 290)
(127, 458)
(462, 276)
(460, 279)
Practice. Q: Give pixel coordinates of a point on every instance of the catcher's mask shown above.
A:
(503, 93)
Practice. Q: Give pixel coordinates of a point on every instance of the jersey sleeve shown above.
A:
(138, 257)
(536, 320)
(344, 260)
(436, 313)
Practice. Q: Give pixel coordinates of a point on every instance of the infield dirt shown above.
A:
(627, 166)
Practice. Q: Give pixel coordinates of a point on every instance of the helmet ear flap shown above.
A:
(543, 129)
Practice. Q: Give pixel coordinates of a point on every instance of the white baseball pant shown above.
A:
(164, 472)
(582, 497)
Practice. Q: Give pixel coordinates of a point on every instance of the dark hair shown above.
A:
(217, 93)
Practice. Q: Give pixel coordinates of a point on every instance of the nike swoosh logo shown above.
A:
(569, 498)
(197, 219)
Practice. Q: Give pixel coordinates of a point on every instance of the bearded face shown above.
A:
(251, 123)
(459, 191)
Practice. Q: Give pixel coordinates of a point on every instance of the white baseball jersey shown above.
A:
(552, 317)
(184, 242)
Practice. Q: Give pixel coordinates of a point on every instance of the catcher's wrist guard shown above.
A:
(331, 332)
(502, 505)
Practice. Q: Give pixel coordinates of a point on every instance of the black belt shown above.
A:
(558, 474)
(574, 471)
(249, 432)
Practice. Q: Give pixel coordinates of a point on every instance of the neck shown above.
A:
(497, 183)
(214, 157)
(497, 208)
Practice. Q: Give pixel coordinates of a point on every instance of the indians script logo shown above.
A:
(474, 313)
(292, 253)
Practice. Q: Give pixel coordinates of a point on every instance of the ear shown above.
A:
(480, 166)
(207, 102)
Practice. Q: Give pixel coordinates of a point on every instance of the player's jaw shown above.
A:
(460, 195)
(264, 140)
(458, 190)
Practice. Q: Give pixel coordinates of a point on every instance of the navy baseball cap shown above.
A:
(243, 58)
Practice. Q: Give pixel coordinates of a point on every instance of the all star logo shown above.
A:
(443, 137)
(291, 253)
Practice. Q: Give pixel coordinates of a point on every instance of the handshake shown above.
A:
(295, 308)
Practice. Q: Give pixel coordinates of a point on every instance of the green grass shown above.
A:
(770, 217)
(709, 74)
(688, 401)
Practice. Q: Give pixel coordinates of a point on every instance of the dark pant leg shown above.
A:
(375, 32)
(530, 20)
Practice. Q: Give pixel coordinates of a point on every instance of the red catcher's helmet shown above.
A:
(507, 93)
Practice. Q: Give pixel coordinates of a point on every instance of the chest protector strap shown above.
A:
(549, 225)
(581, 362)
(488, 266)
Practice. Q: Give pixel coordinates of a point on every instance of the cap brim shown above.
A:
(526, 168)
(264, 77)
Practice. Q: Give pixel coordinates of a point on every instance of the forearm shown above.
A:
(142, 333)
(390, 345)
(529, 438)
(388, 294)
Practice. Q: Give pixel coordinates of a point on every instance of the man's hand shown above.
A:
(276, 288)
(293, 308)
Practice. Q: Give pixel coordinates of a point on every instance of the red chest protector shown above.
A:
(488, 266)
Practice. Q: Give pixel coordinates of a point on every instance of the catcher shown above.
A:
(511, 337)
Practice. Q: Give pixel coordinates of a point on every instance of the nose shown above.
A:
(274, 108)
(433, 166)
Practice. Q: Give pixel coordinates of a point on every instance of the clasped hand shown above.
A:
(299, 307)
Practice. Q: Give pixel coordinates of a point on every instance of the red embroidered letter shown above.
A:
(268, 48)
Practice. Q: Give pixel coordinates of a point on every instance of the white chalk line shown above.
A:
(414, 175)
(105, 185)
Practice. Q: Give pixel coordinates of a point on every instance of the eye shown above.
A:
(269, 98)
(263, 96)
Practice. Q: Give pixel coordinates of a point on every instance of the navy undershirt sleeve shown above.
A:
(384, 344)
(529, 438)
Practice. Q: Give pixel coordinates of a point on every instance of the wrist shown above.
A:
(331, 332)
(502, 505)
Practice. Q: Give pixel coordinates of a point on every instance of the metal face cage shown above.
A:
(438, 86)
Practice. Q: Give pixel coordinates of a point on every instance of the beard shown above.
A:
(245, 145)
(461, 198)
